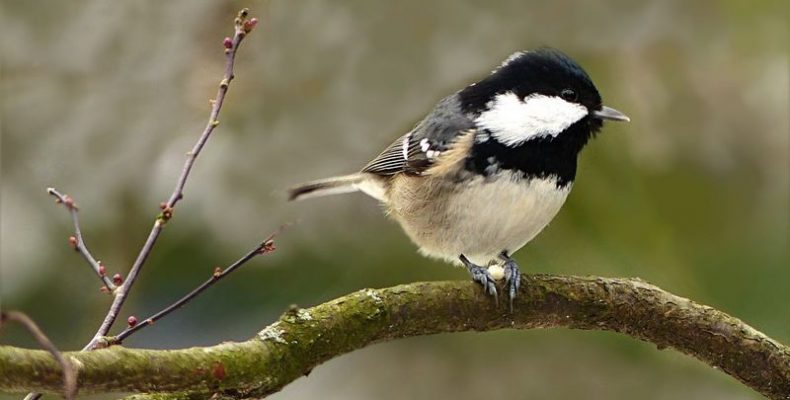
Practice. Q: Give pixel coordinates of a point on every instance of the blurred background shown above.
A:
(101, 99)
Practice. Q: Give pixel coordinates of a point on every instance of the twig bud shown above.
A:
(228, 43)
(131, 321)
(165, 215)
(69, 202)
(267, 247)
(250, 24)
(117, 279)
(102, 269)
(104, 289)
(73, 242)
(217, 272)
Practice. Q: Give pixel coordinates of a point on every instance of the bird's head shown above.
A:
(537, 94)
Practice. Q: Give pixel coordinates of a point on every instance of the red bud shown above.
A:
(131, 321)
(267, 247)
(117, 279)
(73, 242)
(68, 201)
(228, 43)
(250, 24)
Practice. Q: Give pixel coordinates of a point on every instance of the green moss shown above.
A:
(304, 338)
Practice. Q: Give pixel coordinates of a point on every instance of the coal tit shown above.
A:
(489, 167)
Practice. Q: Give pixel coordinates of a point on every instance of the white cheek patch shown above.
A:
(513, 121)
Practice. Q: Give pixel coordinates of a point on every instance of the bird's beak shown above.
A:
(610, 114)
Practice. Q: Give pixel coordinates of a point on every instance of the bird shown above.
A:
(489, 167)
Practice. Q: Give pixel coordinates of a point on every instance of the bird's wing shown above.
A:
(418, 150)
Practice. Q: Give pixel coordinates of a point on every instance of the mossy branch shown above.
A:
(305, 338)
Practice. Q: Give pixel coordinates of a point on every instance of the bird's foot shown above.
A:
(481, 276)
(512, 277)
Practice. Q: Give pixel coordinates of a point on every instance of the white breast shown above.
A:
(489, 215)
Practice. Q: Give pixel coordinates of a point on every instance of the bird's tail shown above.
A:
(325, 187)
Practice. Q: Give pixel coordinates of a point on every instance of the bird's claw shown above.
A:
(512, 280)
(483, 277)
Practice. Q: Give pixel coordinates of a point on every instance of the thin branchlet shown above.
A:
(265, 247)
(77, 241)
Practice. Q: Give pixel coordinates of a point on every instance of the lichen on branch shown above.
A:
(304, 338)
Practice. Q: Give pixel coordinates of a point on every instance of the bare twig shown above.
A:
(264, 247)
(69, 372)
(242, 27)
(78, 242)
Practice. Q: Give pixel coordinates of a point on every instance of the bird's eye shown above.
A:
(569, 95)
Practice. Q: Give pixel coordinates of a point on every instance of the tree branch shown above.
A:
(69, 373)
(77, 241)
(264, 247)
(305, 338)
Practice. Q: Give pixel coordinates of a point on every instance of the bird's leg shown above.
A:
(512, 276)
(481, 276)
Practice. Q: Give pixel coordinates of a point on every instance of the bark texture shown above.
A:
(304, 338)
